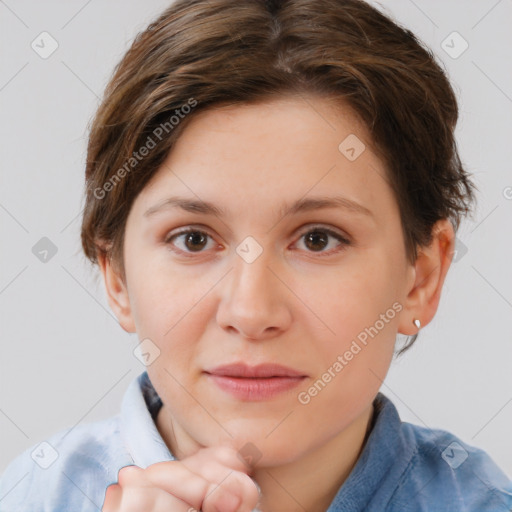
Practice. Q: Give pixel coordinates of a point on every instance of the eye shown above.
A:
(194, 240)
(316, 239)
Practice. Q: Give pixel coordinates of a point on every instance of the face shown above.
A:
(317, 289)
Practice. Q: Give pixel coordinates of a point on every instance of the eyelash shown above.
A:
(343, 240)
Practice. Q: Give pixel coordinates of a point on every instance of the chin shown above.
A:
(261, 451)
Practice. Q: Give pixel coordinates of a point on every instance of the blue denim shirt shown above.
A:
(403, 467)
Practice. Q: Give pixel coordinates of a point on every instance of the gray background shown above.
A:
(65, 360)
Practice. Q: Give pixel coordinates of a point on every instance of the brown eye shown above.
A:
(318, 238)
(192, 240)
(195, 240)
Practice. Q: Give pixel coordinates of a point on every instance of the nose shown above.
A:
(254, 302)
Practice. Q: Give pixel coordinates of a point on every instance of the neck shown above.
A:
(311, 482)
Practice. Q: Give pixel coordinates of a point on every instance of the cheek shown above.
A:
(352, 301)
(162, 303)
(364, 314)
(174, 312)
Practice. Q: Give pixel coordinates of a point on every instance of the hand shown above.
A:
(211, 480)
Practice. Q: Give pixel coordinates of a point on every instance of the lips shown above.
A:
(255, 383)
(260, 371)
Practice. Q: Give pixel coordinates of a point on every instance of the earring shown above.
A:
(417, 323)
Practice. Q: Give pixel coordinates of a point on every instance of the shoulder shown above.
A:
(443, 468)
(71, 470)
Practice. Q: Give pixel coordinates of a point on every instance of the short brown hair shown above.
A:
(201, 53)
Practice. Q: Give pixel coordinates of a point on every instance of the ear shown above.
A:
(117, 293)
(429, 273)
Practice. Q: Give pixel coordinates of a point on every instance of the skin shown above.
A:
(300, 303)
(210, 480)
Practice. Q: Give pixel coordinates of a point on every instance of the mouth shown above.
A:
(255, 383)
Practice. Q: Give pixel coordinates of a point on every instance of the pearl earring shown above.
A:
(417, 323)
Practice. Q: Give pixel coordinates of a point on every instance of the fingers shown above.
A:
(137, 499)
(136, 492)
(174, 477)
(223, 466)
(141, 489)
(227, 479)
(211, 480)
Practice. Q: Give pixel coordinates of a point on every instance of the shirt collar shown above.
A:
(139, 409)
(385, 456)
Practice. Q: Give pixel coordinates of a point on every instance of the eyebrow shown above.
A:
(299, 206)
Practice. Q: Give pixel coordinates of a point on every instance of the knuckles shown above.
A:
(246, 486)
(128, 475)
(132, 478)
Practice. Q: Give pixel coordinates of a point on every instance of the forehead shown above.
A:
(253, 156)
